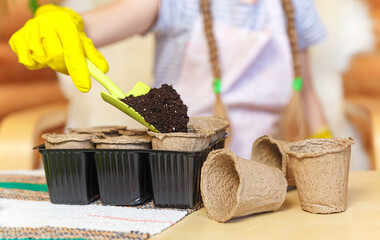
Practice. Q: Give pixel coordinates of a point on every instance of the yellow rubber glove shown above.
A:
(323, 132)
(54, 38)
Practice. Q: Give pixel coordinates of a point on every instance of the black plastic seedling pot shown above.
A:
(70, 175)
(123, 176)
(176, 176)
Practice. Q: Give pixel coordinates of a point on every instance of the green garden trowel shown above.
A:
(115, 96)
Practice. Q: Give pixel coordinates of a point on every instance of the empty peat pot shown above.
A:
(68, 141)
(233, 187)
(216, 124)
(133, 132)
(123, 142)
(270, 151)
(103, 130)
(321, 169)
(181, 141)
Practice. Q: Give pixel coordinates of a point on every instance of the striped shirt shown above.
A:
(177, 17)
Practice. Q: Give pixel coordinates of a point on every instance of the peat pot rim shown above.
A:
(279, 145)
(197, 134)
(319, 146)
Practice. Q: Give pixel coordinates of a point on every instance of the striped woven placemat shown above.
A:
(26, 198)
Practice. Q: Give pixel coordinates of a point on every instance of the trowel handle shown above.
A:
(99, 76)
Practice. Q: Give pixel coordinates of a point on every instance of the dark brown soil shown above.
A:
(162, 107)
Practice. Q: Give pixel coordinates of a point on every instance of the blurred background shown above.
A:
(345, 70)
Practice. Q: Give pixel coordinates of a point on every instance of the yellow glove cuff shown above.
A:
(323, 132)
(49, 8)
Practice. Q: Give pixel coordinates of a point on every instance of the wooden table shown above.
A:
(360, 221)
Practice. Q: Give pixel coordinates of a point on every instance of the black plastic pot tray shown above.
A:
(125, 177)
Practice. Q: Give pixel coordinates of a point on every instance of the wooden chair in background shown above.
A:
(362, 93)
(362, 102)
(31, 102)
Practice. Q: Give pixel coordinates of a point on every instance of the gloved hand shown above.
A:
(323, 132)
(54, 38)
